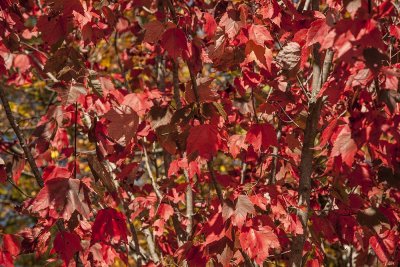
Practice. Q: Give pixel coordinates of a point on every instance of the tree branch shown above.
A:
(306, 163)
(21, 138)
(150, 173)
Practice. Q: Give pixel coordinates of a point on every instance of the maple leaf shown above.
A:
(384, 245)
(109, 225)
(123, 123)
(236, 143)
(317, 32)
(174, 42)
(395, 31)
(205, 92)
(140, 103)
(11, 244)
(66, 245)
(345, 146)
(256, 243)
(225, 257)
(70, 94)
(165, 211)
(154, 30)
(203, 139)
(102, 255)
(261, 136)
(22, 62)
(259, 34)
(53, 28)
(231, 23)
(259, 54)
(242, 208)
(60, 197)
(10, 249)
(210, 26)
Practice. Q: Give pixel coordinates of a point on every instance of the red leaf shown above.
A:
(22, 62)
(317, 32)
(10, 249)
(259, 54)
(205, 92)
(384, 245)
(53, 28)
(242, 208)
(261, 136)
(154, 30)
(110, 225)
(60, 197)
(66, 245)
(236, 143)
(140, 103)
(225, 257)
(256, 244)
(11, 244)
(203, 139)
(165, 211)
(210, 26)
(174, 42)
(345, 146)
(123, 124)
(259, 34)
(395, 31)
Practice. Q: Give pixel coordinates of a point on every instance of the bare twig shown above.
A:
(150, 173)
(21, 138)
(75, 140)
(189, 205)
(151, 245)
(275, 153)
(175, 79)
(243, 172)
(17, 188)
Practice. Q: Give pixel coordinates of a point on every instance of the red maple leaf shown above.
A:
(53, 28)
(10, 249)
(123, 123)
(154, 30)
(259, 34)
(261, 136)
(345, 146)
(66, 245)
(243, 207)
(203, 139)
(110, 225)
(256, 243)
(174, 42)
(60, 197)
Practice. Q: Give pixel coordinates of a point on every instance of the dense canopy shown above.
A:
(199, 133)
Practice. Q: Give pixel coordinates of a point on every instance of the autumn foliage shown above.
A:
(199, 133)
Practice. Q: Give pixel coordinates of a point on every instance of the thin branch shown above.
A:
(21, 138)
(150, 173)
(75, 140)
(253, 104)
(275, 153)
(175, 78)
(189, 206)
(243, 172)
(214, 180)
(151, 245)
(17, 188)
(120, 65)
